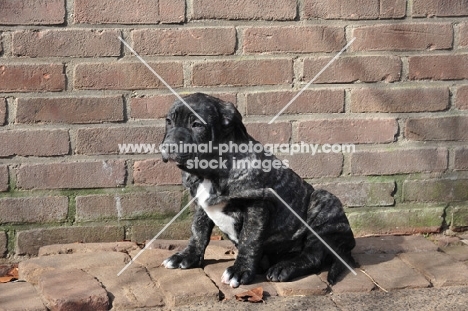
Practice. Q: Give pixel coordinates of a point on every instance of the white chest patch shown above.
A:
(215, 212)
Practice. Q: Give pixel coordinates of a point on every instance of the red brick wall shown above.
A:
(70, 92)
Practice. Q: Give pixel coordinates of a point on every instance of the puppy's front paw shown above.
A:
(281, 272)
(234, 276)
(182, 260)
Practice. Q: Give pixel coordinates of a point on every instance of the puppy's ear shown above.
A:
(231, 122)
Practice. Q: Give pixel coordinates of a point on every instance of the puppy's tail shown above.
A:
(337, 267)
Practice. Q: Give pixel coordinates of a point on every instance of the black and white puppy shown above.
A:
(235, 198)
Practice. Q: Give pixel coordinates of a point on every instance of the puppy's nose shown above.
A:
(165, 153)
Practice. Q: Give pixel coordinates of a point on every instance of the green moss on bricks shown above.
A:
(457, 216)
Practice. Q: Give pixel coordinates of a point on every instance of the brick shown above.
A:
(78, 248)
(393, 245)
(156, 172)
(32, 12)
(398, 161)
(75, 175)
(28, 242)
(30, 298)
(253, 9)
(463, 31)
(461, 159)
(459, 252)
(403, 37)
(66, 43)
(357, 194)
(118, 12)
(127, 206)
(440, 190)
(3, 244)
(348, 131)
(438, 67)
(70, 110)
(34, 143)
(399, 99)
(350, 283)
(32, 78)
(4, 178)
(299, 39)
(178, 230)
(437, 129)
(319, 165)
(310, 285)
(439, 268)
(72, 289)
(185, 41)
(431, 8)
(127, 75)
(457, 217)
(353, 69)
(278, 133)
(3, 111)
(93, 141)
(243, 72)
(33, 210)
(462, 98)
(316, 101)
(354, 9)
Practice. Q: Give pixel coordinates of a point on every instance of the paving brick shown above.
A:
(32, 12)
(357, 194)
(439, 268)
(33, 209)
(436, 129)
(350, 283)
(75, 248)
(403, 37)
(70, 110)
(4, 178)
(127, 75)
(398, 161)
(316, 101)
(461, 159)
(302, 39)
(28, 242)
(387, 99)
(310, 285)
(66, 43)
(3, 111)
(462, 98)
(185, 41)
(3, 244)
(393, 245)
(353, 69)
(348, 131)
(19, 297)
(242, 72)
(253, 9)
(34, 143)
(431, 8)
(32, 78)
(354, 9)
(438, 67)
(72, 290)
(150, 258)
(435, 190)
(99, 140)
(458, 252)
(319, 165)
(279, 133)
(156, 172)
(103, 174)
(390, 272)
(118, 12)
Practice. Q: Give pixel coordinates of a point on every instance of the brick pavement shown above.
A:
(84, 277)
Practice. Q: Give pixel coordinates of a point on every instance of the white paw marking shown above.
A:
(168, 264)
(233, 282)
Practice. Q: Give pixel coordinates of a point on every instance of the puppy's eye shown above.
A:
(168, 122)
(197, 124)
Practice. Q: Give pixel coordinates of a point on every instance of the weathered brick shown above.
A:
(461, 159)
(431, 8)
(355, 194)
(462, 98)
(310, 285)
(66, 43)
(393, 245)
(440, 190)
(441, 128)
(438, 67)
(31, 78)
(463, 34)
(3, 243)
(252, 9)
(127, 76)
(319, 165)
(3, 178)
(127, 206)
(102, 174)
(70, 110)
(299, 39)
(34, 143)
(119, 12)
(398, 161)
(348, 131)
(403, 37)
(185, 41)
(33, 209)
(79, 248)
(386, 99)
(3, 111)
(354, 9)
(178, 230)
(155, 172)
(107, 140)
(278, 133)
(243, 72)
(30, 298)
(457, 216)
(352, 69)
(28, 242)
(32, 12)
(313, 101)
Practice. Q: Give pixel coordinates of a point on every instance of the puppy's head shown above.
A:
(185, 128)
